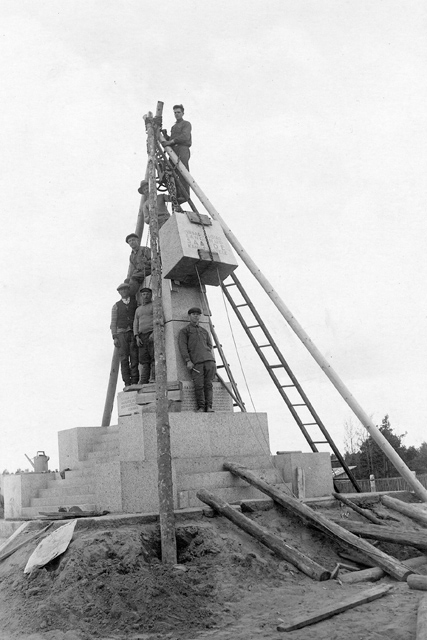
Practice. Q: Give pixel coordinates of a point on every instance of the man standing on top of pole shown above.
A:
(180, 137)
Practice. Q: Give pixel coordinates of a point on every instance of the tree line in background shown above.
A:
(361, 451)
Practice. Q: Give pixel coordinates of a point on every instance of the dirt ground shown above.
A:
(110, 584)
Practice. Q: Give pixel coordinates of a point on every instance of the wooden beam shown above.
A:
(8, 553)
(417, 539)
(280, 548)
(411, 510)
(375, 573)
(363, 512)
(164, 458)
(417, 582)
(390, 565)
(337, 607)
(422, 620)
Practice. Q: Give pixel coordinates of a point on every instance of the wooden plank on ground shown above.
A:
(389, 564)
(280, 548)
(417, 539)
(422, 620)
(417, 582)
(334, 608)
(14, 535)
(9, 552)
(411, 510)
(375, 573)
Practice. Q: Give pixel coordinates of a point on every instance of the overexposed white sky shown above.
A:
(309, 136)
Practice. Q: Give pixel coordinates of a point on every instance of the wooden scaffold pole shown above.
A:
(323, 363)
(115, 360)
(164, 459)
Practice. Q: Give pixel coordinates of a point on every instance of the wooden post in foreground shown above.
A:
(324, 364)
(422, 619)
(164, 460)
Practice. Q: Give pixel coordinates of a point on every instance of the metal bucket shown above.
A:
(40, 462)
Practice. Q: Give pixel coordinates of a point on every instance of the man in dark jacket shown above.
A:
(122, 316)
(195, 346)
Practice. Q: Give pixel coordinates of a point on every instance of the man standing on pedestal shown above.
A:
(195, 346)
(122, 315)
(143, 331)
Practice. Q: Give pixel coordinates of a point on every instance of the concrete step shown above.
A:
(80, 489)
(76, 480)
(187, 499)
(63, 500)
(215, 463)
(34, 512)
(224, 479)
(87, 471)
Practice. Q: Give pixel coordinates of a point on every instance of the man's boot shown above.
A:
(145, 374)
(153, 373)
(209, 400)
(200, 399)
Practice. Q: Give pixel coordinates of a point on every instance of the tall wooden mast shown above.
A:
(164, 459)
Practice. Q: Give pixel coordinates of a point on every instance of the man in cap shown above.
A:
(180, 137)
(143, 332)
(163, 214)
(122, 316)
(196, 348)
(139, 263)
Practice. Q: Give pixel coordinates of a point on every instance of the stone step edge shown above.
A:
(64, 500)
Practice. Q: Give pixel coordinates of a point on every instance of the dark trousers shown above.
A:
(146, 358)
(203, 379)
(183, 154)
(128, 352)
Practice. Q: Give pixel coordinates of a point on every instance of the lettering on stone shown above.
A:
(196, 240)
(222, 401)
(127, 403)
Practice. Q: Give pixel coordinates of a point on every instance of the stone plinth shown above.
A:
(194, 437)
(182, 398)
(186, 244)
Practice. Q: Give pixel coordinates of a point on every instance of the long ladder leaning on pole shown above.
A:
(303, 405)
(300, 405)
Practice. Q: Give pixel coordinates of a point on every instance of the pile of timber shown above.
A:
(350, 534)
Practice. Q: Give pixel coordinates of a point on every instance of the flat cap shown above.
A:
(144, 183)
(195, 310)
(145, 289)
(131, 235)
(124, 285)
